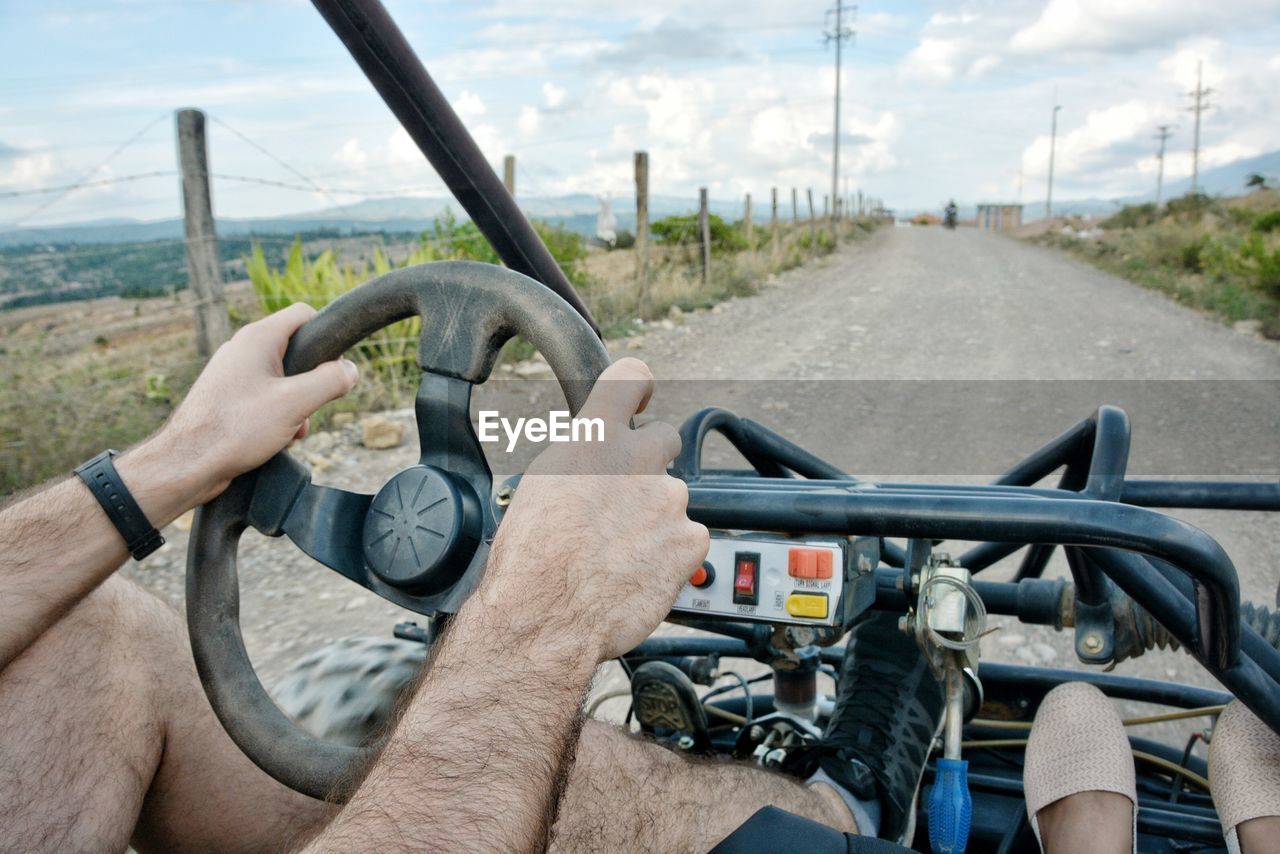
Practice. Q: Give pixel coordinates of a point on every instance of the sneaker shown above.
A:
(664, 698)
(888, 712)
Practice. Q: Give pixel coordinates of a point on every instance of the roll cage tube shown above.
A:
(384, 55)
(1179, 574)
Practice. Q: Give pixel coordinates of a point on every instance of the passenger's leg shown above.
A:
(1081, 789)
(1244, 771)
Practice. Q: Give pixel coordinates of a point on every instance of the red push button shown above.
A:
(702, 576)
(809, 563)
(746, 573)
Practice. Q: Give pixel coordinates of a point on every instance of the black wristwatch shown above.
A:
(100, 475)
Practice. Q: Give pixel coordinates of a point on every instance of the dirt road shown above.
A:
(917, 354)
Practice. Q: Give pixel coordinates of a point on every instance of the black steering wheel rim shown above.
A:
(468, 310)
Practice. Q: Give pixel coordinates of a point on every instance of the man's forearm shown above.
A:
(58, 545)
(481, 753)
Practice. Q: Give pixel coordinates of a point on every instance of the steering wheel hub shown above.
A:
(421, 530)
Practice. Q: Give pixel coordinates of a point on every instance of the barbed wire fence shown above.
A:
(74, 379)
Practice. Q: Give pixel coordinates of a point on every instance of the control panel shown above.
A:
(769, 579)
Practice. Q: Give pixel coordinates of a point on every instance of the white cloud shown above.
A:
(469, 105)
(934, 59)
(26, 171)
(529, 121)
(351, 155)
(401, 148)
(1107, 25)
(553, 94)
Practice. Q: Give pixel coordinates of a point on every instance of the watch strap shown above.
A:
(100, 475)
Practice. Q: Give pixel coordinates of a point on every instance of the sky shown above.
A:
(940, 99)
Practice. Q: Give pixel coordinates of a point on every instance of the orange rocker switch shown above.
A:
(809, 563)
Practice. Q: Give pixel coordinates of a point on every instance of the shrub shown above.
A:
(684, 229)
(387, 358)
(1190, 254)
(1131, 216)
(1267, 222)
(1191, 207)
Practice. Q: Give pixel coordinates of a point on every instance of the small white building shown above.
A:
(999, 216)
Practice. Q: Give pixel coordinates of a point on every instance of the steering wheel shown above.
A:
(422, 541)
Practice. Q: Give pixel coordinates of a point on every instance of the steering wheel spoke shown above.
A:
(325, 522)
(446, 437)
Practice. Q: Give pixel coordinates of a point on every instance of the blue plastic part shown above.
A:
(950, 807)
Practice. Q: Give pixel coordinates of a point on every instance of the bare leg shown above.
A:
(1258, 834)
(1087, 823)
(104, 728)
(626, 794)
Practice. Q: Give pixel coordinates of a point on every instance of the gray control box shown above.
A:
(769, 579)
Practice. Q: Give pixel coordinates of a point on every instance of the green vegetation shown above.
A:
(1221, 255)
(685, 229)
(75, 379)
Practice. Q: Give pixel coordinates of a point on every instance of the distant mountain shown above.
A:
(1225, 180)
(406, 214)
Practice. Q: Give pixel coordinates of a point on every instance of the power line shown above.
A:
(1162, 133)
(279, 160)
(1200, 105)
(328, 192)
(103, 182)
(72, 188)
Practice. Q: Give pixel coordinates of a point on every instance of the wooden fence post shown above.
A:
(773, 218)
(813, 227)
(747, 220)
(795, 208)
(204, 273)
(704, 231)
(509, 173)
(642, 226)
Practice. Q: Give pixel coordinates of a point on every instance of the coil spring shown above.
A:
(1137, 631)
(1264, 621)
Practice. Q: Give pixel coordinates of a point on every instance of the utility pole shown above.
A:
(1163, 135)
(773, 219)
(509, 173)
(1200, 105)
(704, 233)
(213, 324)
(838, 34)
(642, 225)
(1053, 141)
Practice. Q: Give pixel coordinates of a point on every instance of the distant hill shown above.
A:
(575, 212)
(1225, 180)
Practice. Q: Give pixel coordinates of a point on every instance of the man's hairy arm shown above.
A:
(589, 559)
(481, 753)
(57, 544)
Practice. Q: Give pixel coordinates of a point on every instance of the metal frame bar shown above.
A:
(1176, 572)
